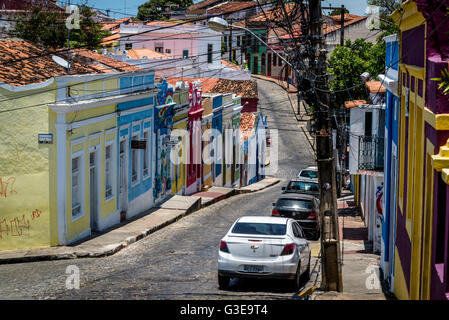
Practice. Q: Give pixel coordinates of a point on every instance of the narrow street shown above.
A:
(179, 261)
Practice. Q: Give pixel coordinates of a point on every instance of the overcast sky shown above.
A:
(118, 10)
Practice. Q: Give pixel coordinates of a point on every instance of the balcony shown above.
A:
(371, 153)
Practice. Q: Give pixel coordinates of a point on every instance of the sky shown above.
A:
(118, 10)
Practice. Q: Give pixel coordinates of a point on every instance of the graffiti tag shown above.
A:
(18, 226)
(7, 187)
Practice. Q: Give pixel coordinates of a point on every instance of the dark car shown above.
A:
(303, 185)
(302, 207)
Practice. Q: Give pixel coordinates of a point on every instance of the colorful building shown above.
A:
(421, 259)
(390, 81)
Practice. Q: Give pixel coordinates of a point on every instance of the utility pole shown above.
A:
(330, 238)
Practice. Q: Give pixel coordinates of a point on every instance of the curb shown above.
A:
(111, 249)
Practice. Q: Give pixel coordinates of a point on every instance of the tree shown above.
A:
(387, 7)
(337, 12)
(154, 9)
(349, 62)
(48, 27)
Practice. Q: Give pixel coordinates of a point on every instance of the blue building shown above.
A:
(390, 81)
(135, 122)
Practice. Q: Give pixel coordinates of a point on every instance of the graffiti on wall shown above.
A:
(379, 218)
(18, 226)
(7, 187)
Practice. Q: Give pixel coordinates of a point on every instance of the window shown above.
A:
(185, 54)
(76, 186)
(239, 41)
(134, 163)
(159, 49)
(128, 46)
(368, 124)
(209, 53)
(269, 229)
(146, 154)
(109, 176)
(225, 42)
(297, 204)
(167, 50)
(274, 60)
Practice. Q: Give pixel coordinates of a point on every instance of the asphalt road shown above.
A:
(179, 261)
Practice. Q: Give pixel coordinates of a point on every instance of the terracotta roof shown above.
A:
(247, 89)
(247, 122)
(225, 7)
(354, 103)
(375, 87)
(105, 60)
(206, 83)
(202, 4)
(26, 4)
(22, 63)
(111, 39)
(143, 52)
(349, 19)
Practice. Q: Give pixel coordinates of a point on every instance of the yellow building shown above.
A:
(59, 153)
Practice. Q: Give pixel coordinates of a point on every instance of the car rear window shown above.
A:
(309, 174)
(291, 203)
(303, 186)
(268, 229)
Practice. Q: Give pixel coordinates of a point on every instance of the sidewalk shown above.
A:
(119, 237)
(284, 84)
(359, 263)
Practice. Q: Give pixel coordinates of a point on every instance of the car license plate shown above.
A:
(254, 269)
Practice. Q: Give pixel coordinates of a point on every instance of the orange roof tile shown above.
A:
(111, 39)
(22, 63)
(105, 60)
(207, 84)
(247, 122)
(144, 52)
(375, 87)
(354, 103)
(230, 64)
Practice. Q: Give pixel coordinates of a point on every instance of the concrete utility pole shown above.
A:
(330, 238)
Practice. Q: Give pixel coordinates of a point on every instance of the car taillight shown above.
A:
(224, 247)
(288, 249)
(312, 216)
(275, 213)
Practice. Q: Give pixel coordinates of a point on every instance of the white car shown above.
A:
(264, 247)
(309, 173)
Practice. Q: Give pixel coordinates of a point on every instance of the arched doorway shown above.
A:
(256, 65)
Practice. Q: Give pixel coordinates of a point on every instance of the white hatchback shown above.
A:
(264, 247)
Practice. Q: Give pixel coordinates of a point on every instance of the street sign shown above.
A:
(45, 138)
(138, 144)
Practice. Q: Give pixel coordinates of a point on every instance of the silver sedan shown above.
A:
(264, 247)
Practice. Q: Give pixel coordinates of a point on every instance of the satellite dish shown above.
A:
(60, 61)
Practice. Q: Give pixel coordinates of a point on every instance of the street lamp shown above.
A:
(221, 25)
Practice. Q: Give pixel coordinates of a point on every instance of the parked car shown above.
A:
(309, 172)
(303, 185)
(302, 207)
(264, 247)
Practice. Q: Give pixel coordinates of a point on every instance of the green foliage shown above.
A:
(349, 62)
(386, 6)
(337, 12)
(48, 27)
(444, 81)
(154, 9)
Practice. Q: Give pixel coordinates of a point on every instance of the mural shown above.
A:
(379, 218)
(165, 112)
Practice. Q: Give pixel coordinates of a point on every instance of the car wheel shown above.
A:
(306, 275)
(223, 281)
(297, 281)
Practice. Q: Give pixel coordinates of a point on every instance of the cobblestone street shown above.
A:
(179, 261)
